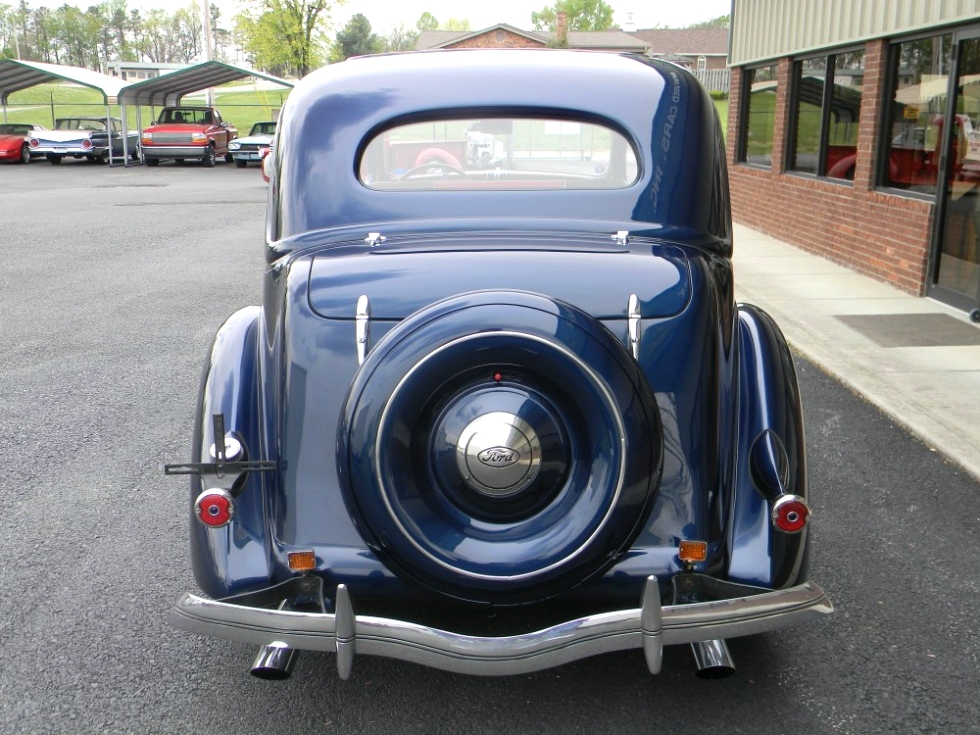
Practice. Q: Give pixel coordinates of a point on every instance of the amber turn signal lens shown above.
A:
(692, 551)
(302, 561)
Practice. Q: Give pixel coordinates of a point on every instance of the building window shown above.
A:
(702, 63)
(760, 116)
(919, 81)
(824, 114)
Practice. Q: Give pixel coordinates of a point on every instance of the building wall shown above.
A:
(768, 29)
(880, 234)
(498, 38)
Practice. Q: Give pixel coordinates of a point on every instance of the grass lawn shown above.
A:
(722, 107)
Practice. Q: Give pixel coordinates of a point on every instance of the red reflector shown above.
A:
(214, 508)
(790, 514)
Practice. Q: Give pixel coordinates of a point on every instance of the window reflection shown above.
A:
(959, 258)
(757, 136)
(921, 78)
(845, 110)
(825, 126)
(808, 82)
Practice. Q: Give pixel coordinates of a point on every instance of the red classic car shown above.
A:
(181, 133)
(13, 141)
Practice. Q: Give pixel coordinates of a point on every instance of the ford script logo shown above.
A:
(498, 457)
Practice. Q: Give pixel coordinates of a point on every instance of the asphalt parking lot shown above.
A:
(112, 284)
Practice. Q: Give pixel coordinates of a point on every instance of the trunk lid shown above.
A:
(598, 280)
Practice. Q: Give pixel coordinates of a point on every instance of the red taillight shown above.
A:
(87, 144)
(790, 513)
(34, 143)
(215, 508)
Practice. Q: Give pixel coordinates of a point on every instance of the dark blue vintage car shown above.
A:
(498, 410)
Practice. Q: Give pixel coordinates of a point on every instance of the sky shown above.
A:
(386, 14)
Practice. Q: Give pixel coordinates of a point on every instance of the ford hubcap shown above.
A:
(498, 454)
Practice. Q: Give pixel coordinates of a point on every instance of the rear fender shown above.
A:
(235, 557)
(769, 401)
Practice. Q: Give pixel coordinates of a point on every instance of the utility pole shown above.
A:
(207, 44)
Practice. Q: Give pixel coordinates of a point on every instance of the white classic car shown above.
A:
(254, 146)
(84, 137)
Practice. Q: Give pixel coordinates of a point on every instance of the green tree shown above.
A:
(427, 22)
(581, 15)
(186, 32)
(118, 25)
(355, 39)
(399, 38)
(74, 37)
(285, 34)
(456, 24)
(8, 32)
(721, 21)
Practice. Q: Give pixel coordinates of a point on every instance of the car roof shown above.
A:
(660, 107)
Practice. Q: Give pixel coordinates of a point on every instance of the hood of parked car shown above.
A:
(255, 140)
(177, 127)
(66, 136)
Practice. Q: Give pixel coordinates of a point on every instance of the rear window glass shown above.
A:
(498, 153)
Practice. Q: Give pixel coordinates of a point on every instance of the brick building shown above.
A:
(503, 35)
(704, 49)
(854, 132)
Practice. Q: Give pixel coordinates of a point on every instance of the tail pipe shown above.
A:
(713, 659)
(275, 662)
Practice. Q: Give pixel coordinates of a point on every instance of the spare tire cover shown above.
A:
(499, 446)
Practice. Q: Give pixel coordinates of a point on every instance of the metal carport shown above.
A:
(16, 75)
(167, 90)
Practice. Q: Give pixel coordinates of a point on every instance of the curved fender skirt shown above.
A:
(649, 627)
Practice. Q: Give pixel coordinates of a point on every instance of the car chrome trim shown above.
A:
(614, 413)
(362, 322)
(374, 238)
(649, 627)
(635, 326)
(622, 237)
(233, 450)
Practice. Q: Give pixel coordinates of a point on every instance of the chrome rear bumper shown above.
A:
(650, 627)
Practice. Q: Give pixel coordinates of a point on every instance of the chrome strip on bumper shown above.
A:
(649, 627)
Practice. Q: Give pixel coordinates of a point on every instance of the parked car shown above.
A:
(14, 141)
(254, 146)
(84, 137)
(495, 416)
(914, 156)
(188, 133)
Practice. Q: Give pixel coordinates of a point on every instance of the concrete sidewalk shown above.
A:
(916, 359)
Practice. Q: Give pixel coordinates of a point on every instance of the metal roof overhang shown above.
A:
(16, 75)
(168, 89)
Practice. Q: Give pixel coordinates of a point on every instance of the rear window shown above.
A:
(498, 153)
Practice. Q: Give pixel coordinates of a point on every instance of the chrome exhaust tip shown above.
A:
(713, 659)
(275, 662)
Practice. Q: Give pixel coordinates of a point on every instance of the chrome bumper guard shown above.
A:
(650, 627)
